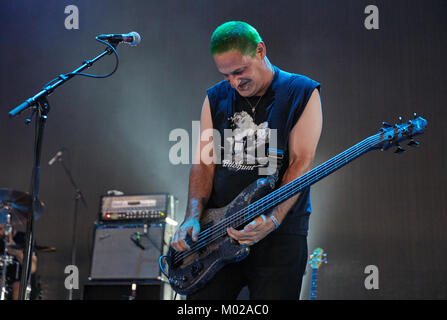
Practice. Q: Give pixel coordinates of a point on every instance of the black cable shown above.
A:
(101, 76)
(71, 74)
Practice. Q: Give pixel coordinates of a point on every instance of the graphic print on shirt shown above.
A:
(246, 144)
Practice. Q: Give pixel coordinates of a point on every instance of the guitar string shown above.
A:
(286, 195)
(338, 160)
(304, 178)
(255, 206)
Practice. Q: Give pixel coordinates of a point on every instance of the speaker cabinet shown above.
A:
(127, 252)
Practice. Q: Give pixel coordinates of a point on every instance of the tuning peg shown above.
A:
(413, 143)
(415, 115)
(399, 150)
(400, 120)
(386, 125)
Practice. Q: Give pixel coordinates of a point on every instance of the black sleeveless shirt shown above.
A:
(244, 133)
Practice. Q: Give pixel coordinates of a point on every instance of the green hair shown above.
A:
(235, 35)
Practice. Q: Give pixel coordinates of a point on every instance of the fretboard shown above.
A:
(313, 284)
(283, 193)
(294, 187)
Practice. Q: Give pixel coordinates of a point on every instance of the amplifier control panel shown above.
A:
(136, 207)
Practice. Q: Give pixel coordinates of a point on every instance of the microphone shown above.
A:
(55, 158)
(132, 38)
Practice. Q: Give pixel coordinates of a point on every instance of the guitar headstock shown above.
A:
(317, 257)
(393, 135)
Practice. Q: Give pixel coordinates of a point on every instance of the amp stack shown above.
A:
(131, 233)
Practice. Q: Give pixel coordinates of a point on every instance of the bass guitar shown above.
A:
(189, 270)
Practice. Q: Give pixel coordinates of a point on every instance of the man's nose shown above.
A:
(234, 82)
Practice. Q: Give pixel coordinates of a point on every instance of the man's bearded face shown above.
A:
(242, 72)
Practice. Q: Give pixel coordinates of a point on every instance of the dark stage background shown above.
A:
(383, 210)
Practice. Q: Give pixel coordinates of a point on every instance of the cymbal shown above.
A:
(37, 248)
(44, 249)
(18, 204)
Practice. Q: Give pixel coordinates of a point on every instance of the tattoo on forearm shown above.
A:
(195, 207)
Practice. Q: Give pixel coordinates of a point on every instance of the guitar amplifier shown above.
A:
(131, 234)
(127, 252)
(141, 207)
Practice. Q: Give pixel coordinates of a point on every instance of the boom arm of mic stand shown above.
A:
(50, 88)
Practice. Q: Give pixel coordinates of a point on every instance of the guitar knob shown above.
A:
(196, 269)
(413, 143)
(399, 150)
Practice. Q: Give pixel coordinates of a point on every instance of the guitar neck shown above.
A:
(294, 187)
(313, 284)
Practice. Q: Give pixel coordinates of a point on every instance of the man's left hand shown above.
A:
(253, 232)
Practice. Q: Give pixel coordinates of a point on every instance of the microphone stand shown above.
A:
(78, 196)
(41, 108)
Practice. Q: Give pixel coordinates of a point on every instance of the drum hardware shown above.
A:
(37, 248)
(15, 209)
(18, 205)
(6, 258)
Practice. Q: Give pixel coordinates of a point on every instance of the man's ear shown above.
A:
(260, 49)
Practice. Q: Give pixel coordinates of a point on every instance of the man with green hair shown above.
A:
(254, 96)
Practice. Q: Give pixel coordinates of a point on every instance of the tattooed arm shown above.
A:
(200, 186)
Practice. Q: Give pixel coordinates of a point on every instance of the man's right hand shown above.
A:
(190, 226)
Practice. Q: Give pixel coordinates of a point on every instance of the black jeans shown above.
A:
(272, 271)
